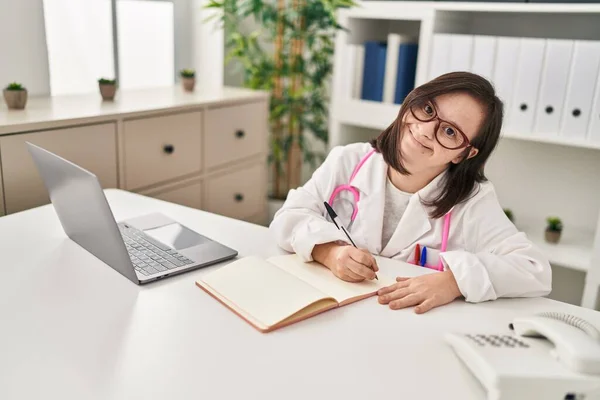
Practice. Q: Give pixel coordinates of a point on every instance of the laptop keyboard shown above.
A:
(149, 256)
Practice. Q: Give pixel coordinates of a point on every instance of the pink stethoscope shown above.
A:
(356, 195)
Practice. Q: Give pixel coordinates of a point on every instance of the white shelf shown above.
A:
(368, 114)
(376, 115)
(574, 250)
(413, 9)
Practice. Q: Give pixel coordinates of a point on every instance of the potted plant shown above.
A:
(108, 88)
(290, 55)
(15, 96)
(509, 214)
(188, 77)
(553, 230)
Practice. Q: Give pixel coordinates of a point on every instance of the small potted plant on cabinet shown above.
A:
(188, 77)
(15, 96)
(108, 88)
(553, 230)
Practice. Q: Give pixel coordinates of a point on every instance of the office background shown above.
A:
(541, 168)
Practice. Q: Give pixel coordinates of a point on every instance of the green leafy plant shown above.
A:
(554, 224)
(509, 214)
(187, 73)
(105, 81)
(296, 72)
(15, 86)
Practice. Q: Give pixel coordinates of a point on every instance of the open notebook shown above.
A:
(281, 290)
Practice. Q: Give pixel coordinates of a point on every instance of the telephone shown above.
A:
(548, 356)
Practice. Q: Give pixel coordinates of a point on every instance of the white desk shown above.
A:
(72, 328)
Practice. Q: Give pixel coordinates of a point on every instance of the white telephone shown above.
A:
(549, 356)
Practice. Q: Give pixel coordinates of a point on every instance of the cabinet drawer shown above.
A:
(235, 132)
(92, 147)
(189, 195)
(239, 194)
(157, 149)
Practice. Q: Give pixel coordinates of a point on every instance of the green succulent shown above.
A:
(554, 224)
(105, 81)
(15, 86)
(187, 73)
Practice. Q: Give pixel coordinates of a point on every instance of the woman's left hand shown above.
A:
(425, 292)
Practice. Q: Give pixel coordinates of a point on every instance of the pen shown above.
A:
(417, 254)
(423, 256)
(339, 225)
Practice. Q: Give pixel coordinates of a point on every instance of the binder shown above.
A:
(407, 68)
(374, 70)
(505, 66)
(484, 52)
(439, 60)
(524, 100)
(594, 128)
(553, 87)
(461, 49)
(585, 64)
(391, 66)
(359, 63)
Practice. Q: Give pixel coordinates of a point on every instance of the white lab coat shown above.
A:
(487, 255)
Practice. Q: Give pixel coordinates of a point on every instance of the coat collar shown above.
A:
(370, 180)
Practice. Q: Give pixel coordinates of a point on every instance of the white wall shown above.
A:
(23, 45)
(536, 180)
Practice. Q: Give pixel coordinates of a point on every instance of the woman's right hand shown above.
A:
(346, 262)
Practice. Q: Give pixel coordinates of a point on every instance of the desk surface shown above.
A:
(72, 328)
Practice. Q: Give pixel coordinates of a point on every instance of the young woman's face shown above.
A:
(419, 148)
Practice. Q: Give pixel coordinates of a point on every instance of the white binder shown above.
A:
(505, 65)
(553, 87)
(484, 52)
(585, 62)
(461, 49)
(594, 127)
(394, 40)
(357, 72)
(439, 61)
(524, 99)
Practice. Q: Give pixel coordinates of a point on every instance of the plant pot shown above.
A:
(188, 84)
(552, 236)
(108, 91)
(15, 99)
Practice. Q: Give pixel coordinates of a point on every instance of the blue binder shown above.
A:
(407, 67)
(373, 71)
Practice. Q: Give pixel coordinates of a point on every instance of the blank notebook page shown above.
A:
(323, 279)
(262, 290)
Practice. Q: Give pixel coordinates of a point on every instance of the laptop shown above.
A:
(142, 249)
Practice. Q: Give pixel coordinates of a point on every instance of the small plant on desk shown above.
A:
(15, 96)
(108, 88)
(188, 77)
(553, 230)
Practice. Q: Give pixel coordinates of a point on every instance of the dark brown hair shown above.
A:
(460, 179)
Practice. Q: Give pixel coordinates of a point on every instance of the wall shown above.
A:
(558, 180)
(23, 45)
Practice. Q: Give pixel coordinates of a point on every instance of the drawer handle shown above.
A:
(169, 148)
(238, 197)
(240, 134)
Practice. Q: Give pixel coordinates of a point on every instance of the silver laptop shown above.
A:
(142, 249)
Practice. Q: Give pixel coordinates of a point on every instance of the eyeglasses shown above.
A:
(446, 134)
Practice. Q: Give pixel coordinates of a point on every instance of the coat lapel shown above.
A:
(370, 181)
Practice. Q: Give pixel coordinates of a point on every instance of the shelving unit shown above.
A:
(579, 248)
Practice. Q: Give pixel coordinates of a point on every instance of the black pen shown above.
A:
(339, 225)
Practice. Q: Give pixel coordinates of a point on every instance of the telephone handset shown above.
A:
(548, 356)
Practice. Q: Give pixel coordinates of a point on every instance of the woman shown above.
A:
(424, 173)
